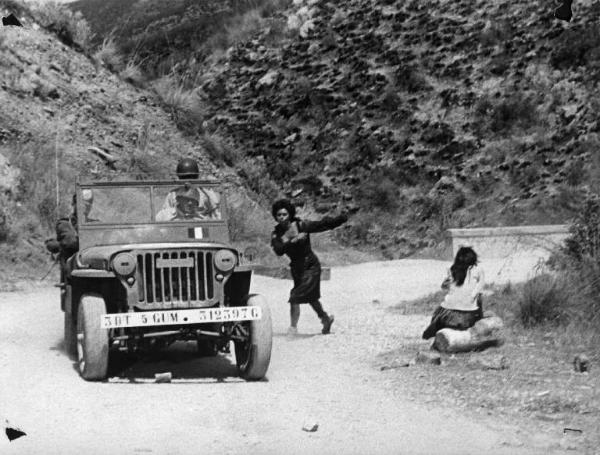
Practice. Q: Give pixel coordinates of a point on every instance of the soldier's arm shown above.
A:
(67, 237)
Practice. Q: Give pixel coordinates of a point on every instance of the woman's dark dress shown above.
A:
(304, 264)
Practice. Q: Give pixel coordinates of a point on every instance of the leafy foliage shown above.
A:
(584, 241)
(69, 26)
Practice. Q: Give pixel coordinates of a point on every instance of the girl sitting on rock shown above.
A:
(461, 307)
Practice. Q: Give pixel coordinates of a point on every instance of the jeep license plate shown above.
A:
(172, 317)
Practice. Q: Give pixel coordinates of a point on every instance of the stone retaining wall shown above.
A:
(510, 253)
(501, 242)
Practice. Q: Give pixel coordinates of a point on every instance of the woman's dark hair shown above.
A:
(465, 258)
(283, 204)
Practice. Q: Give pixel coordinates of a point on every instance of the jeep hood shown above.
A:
(99, 256)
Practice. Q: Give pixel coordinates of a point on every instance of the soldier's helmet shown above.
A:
(187, 168)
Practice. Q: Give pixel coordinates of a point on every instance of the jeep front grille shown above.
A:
(175, 276)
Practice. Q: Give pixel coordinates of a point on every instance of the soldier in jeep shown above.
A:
(66, 243)
(187, 206)
(188, 201)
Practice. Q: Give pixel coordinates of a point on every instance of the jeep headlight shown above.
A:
(124, 264)
(225, 260)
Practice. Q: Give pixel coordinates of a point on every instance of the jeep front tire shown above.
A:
(92, 340)
(254, 354)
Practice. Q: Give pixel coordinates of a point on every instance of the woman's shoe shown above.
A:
(292, 331)
(327, 324)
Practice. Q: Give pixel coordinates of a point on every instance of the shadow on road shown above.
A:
(298, 336)
(180, 359)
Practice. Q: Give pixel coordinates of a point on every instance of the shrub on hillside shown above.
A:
(184, 105)
(496, 34)
(254, 172)
(247, 20)
(70, 27)
(390, 101)
(565, 295)
(511, 111)
(411, 79)
(575, 173)
(219, 150)
(584, 240)
(362, 229)
(502, 115)
(37, 186)
(567, 292)
(108, 55)
(578, 46)
(5, 217)
(132, 73)
(379, 192)
(543, 300)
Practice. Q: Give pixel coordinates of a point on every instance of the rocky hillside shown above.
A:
(63, 115)
(157, 34)
(421, 115)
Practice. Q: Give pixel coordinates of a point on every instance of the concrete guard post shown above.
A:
(510, 252)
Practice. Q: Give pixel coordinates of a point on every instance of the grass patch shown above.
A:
(183, 104)
(132, 73)
(108, 55)
(542, 300)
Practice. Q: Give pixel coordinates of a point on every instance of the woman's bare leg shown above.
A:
(294, 314)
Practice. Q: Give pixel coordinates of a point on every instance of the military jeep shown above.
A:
(155, 266)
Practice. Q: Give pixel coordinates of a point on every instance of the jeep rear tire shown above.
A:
(92, 340)
(254, 355)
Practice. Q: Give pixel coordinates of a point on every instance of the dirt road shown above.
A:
(329, 380)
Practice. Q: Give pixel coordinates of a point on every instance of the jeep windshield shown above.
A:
(149, 203)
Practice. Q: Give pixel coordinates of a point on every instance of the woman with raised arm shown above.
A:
(292, 237)
(461, 307)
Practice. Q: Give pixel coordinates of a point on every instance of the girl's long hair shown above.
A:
(465, 258)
